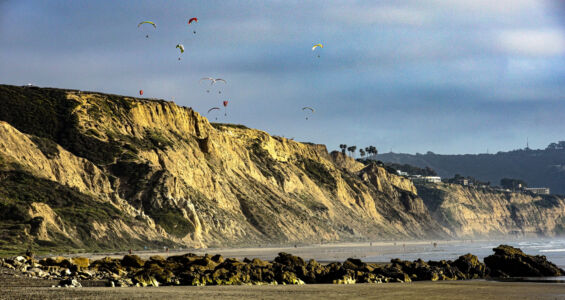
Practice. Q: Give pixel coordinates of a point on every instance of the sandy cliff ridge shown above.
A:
(92, 170)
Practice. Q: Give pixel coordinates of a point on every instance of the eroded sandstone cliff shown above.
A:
(155, 172)
(483, 212)
(85, 170)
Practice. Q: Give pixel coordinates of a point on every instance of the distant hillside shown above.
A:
(539, 168)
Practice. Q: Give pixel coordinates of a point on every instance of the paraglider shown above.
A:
(225, 107)
(147, 22)
(208, 78)
(214, 108)
(141, 92)
(181, 48)
(308, 108)
(193, 20)
(316, 46)
(213, 80)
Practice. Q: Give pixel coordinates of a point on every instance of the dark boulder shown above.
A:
(508, 261)
(470, 267)
(132, 261)
(290, 260)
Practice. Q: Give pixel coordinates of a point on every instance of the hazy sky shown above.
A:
(445, 76)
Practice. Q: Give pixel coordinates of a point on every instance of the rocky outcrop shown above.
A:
(191, 269)
(508, 261)
(149, 172)
(472, 212)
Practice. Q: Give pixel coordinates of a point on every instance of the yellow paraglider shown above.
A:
(147, 22)
(316, 46)
(181, 48)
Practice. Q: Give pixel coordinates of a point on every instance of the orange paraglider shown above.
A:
(141, 92)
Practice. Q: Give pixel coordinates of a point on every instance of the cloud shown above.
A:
(548, 42)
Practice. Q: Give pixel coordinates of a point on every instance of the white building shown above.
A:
(541, 191)
(425, 179)
(400, 173)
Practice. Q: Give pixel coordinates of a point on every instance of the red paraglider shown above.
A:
(193, 20)
(225, 105)
(141, 92)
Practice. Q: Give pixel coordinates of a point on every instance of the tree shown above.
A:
(362, 152)
(371, 150)
(351, 149)
(343, 147)
(512, 184)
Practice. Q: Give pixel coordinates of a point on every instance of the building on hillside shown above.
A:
(401, 173)
(425, 179)
(541, 191)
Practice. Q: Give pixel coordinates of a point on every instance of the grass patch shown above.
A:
(173, 222)
(227, 125)
(77, 210)
(46, 146)
(318, 173)
(265, 162)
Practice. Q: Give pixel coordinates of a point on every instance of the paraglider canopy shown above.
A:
(213, 108)
(225, 103)
(316, 46)
(180, 47)
(308, 108)
(147, 22)
(192, 20)
(141, 92)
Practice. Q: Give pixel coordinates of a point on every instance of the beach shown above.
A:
(375, 252)
(472, 289)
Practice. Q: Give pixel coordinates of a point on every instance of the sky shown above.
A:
(447, 76)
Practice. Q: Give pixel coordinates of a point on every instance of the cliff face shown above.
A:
(471, 212)
(84, 170)
(143, 171)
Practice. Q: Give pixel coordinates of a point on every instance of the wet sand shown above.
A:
(477, 289)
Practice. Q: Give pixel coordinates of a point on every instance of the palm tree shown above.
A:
(352, 149)
(362, 152)
(343, 147)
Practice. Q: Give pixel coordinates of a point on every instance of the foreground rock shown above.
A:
(191, 269)
(508, 261)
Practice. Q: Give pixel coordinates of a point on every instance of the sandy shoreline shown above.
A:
(474, 289)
